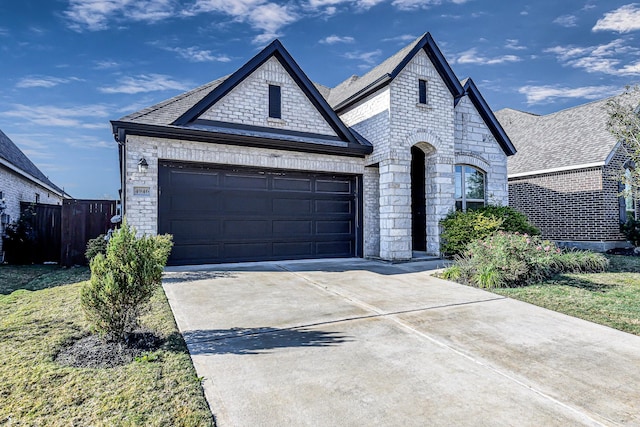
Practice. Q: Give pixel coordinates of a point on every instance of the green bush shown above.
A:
(513, 259)
(96, 246)
(631, 230)
(19, 239)
(460, 228)
(123, 281)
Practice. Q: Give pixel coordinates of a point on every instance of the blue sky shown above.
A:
(67, 67)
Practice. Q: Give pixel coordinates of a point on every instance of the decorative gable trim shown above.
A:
(277, 50)
(430, 47)
(489, 118)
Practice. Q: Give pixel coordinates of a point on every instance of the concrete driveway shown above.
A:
(364, 343)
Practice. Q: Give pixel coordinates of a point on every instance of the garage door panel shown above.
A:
(292, 184)
(334, 227)
(333, 186)
(284, 250)
(194, 179)
(283, 228)
(286, 206)
(334, 207)
(247, 251)
(334, 248)
(245, 181)
(245, 228)
(196, 253)
(245, 203)
(220, 213)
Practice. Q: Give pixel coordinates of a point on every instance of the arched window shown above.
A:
(470, 187)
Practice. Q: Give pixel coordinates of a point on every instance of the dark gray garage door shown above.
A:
(227, 214)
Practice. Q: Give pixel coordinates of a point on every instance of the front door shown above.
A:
(418, 200)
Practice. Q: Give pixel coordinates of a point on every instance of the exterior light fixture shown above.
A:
(143, 166)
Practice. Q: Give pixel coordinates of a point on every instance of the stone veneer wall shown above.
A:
(142, 211)
(16, 189)
(248, 103)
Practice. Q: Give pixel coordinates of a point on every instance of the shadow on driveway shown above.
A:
(257, 340)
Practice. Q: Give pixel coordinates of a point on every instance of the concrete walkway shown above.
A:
(364, 343)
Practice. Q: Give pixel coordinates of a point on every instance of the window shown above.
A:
(422, 91)
(627, 202)
(37, 197)
(469, 187)
(275, 110)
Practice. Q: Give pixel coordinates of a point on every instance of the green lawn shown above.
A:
(611, 298)
(159, 390)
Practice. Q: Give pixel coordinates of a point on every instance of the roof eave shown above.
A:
(355, 149)
(33, 179)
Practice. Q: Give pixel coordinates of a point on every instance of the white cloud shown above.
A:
(106, 65)
(366, 57)
(195, 54)
(606, 58)
(401, 38)
(514, 44)
(145, 83)
(422, 4)
(43, 81)
(549, 93)
(82, 116)
(3, 32)
(566, 21)
(94, 15)
(622, 20)
(333, 39)
(471, 56)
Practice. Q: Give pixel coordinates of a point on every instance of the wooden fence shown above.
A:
(61, 232)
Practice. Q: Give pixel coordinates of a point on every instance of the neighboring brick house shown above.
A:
(21, 181)
(565, 175)
(264, 164)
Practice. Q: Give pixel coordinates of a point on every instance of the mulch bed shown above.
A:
(92, 352)
(623, 251)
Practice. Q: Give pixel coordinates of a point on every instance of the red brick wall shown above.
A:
(579, 205)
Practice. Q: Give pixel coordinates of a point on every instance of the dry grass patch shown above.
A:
(611, 298)
(160, 388)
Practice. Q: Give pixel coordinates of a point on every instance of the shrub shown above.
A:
(512, 220)
(460, 228)
(20, 239)
(513, 259)
(96, 246)
(123, 281)
(631, 230)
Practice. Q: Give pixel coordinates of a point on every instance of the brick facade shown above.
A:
(578, 208)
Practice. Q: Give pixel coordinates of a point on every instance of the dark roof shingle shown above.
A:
(12, 154)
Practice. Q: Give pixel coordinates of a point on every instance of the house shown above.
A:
(565, 175)
(21, 181)
(263, 164)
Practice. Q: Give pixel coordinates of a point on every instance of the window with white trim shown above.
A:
(470, 187)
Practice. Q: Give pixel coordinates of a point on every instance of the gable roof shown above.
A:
(181, 113)
(489, 118)
(568, 139)
(356, 88)
(12, 157)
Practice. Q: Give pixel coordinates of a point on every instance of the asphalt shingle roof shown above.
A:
(568, 138)
(12, 154)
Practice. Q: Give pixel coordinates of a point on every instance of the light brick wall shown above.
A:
(476, 146)
(371, 202)
(16, 189)
(248, 103)
(142, 211)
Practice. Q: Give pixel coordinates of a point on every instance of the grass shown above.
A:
(160, 389)
(611, 298)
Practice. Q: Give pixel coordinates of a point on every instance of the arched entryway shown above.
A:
(418, 201)
(419, 154)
